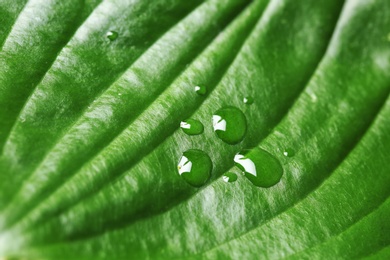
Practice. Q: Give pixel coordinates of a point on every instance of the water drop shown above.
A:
(195, 167)
(200, 90)
(230, 125)
(112, 35)
(248, 100)
(192, 127)
(259, 167)
(289, 152)
(229, 177)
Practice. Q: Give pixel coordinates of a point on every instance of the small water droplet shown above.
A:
(230, 125)
(195, 167)
(192, 127)
(388, 37)
(288, 152)
(248, 100)
(200, 90)
(229, 177)
(259, 167)
(112, 35)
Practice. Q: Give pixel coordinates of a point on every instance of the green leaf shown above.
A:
(92, 95)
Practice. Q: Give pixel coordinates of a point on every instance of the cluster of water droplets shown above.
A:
(229, 123)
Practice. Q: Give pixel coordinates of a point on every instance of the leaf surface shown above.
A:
(90, 132)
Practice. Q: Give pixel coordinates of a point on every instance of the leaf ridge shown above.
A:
(377, 208)
(318, 64)
(2, 41)
(306, 195)
(73, 28)
(92, 157)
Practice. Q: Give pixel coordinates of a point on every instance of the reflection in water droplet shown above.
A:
(192, 127)
(289, 152)
(195, 167)
(248, 100)
(229, 177)
(112, 35)
(200, 90)
(259, 167)
(230, 125)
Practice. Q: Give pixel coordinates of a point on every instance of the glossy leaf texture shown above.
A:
(95, 95)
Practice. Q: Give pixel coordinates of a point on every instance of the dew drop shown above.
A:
(112, 35)
(229, 177)
(230, 125)
(200, 90)
(259, 167)
(195, 167)
(289, 152)
(192, 127)
(248, 100)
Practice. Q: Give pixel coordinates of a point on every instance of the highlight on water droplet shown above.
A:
(195, 167)
(112, 35)
(288, 152)
(259, 167)
(192, 127)
(229, 177)
(200, 90)
(230, 125)
(248, 100)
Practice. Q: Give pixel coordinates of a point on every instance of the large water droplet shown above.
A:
(200, 90)
(259, 167)
(112, 35)
(195, 167)
(229, 177)
(192, 127)
(248, 100)
(230, 125)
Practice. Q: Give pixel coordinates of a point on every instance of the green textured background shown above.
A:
(90, 137)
